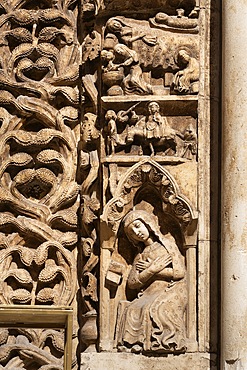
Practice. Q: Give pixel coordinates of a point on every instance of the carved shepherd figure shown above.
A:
(154, 321)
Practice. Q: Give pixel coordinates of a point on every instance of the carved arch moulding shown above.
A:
(104, 181)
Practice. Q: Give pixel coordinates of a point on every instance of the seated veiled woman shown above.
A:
(186, 80)
(154, 321)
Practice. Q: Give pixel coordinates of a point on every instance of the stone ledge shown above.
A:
(128, 361)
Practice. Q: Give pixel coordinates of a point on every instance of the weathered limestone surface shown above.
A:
(105, 139)
(129, 361)
(234, 214)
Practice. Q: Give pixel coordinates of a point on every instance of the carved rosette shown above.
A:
(39, 195)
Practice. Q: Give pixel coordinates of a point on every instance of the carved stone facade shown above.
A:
(105, 186)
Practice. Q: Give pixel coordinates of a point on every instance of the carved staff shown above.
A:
(123, 115)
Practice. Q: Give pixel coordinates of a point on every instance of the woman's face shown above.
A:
(153, 108)
(138, 231)
(115, 25)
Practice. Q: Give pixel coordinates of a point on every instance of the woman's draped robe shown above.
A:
(155, 320)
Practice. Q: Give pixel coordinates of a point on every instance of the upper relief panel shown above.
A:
(158, 56)
(95, 7)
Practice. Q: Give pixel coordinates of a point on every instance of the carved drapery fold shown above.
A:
(98, 121)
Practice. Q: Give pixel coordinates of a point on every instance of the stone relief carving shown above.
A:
(154, 321)
(91, 47)
(148, 81)
(186, 79)
(154, 131)
(179, 23)
(89, 165)
(30, 347)
(150, 134)
(133, 85)
(148, 224)
(39, 98)
(147, 172)
(140, 58)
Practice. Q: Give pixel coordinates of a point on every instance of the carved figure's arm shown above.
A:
(177, 270)
(137, 278)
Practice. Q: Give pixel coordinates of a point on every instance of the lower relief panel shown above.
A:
(148, 236)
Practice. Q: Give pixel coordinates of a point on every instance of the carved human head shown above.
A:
(122, 49)
(87, 245)
(107, 55)
(153, 107)
(114, 25)
(110, 114)
(139, 225)
(137, 231)
(183, 56)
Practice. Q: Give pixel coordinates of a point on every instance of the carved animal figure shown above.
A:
(153, 131)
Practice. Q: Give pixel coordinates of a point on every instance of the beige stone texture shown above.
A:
(121, 361)
(234, 216)
(109, 140)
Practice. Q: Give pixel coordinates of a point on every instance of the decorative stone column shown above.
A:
(234, 187)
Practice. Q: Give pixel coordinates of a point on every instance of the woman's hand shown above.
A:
(142, 265)
(160, 263)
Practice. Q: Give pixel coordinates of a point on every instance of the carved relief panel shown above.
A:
(149, 125)
(102, 118)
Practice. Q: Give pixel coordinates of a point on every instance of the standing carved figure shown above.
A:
(154, 321)
(111, 129)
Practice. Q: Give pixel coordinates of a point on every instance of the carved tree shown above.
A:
(39, 99)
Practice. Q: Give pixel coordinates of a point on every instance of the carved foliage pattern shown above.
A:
(39, 100)
(148, 173)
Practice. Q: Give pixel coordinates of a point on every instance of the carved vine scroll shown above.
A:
(39, 99)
